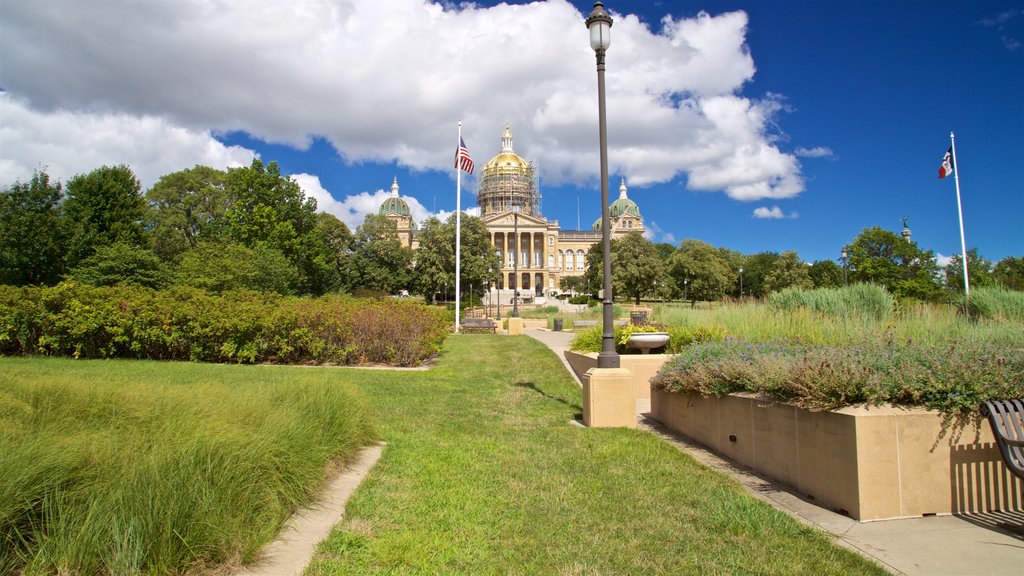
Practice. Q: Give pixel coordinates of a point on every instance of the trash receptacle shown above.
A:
(638, 317)
(558, 324)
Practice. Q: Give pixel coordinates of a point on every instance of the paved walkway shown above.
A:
(975, 545)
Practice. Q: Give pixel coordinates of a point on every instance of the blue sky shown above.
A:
(759, 125)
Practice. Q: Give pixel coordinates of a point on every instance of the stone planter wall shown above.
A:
(869, 463)
(643, 367)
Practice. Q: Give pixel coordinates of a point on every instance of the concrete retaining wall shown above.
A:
(869, 463)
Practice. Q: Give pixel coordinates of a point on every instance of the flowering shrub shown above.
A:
(953, 378)
(238, 326)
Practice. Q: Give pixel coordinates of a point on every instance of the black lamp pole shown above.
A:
(600, 24)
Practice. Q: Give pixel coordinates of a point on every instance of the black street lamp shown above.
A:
(600, 25)
(686, 281)
(515, 264)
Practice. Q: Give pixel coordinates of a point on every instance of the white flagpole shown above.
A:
(960, 213)
(458, 229)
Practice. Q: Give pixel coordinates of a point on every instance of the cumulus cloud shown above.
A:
(354, 209)
(774, 213)
(942, 260)
(816, 152)
(386, 80)
(65, 143)
(654, 233)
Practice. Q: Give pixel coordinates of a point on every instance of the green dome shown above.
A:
(597, 224)
(394, 205)
(623, 207)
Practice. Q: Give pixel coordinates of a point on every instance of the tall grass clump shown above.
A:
(132, 468)
(996, 303)
(859, 300)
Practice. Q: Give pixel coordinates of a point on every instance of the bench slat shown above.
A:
(1007, 420)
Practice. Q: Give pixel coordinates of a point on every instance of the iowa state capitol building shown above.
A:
(509, 197)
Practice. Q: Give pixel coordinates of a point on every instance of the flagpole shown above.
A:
(960, 213)
(458, 231)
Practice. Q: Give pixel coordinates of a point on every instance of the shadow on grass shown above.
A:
(559, 399)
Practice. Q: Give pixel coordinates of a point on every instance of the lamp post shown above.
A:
(600, 24)
(515, 263)
(843, 255)
(686, 281)
(741, 282)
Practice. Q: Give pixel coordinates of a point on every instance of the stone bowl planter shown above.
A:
(647, 341)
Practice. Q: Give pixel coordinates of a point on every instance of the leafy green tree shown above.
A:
(706, 270)
(636, 266)
(218, 266)
(435, 257)
(379, 262)
(883, 257)
(266, 208)
(330, 243)
(1009, 272)
(119, 263)
(186, 207)
(979, 271)
(103, 207)
(756, 268)
(572, 284)
(788, 271)
(33, 241)
(826, 274)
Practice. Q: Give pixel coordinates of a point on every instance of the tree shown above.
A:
(184, 208)
(435, 257)
(572, 284)
(265, 208)
(217, 266)
(756, 268)
(707, 272)
(883, 257)
(119, 263)
(979, 271)
(1009, 272)
(33, 241)
(379, 262)
(103, 207)
(636, 266)
(788, 271)
(826, 274)
(330, 244)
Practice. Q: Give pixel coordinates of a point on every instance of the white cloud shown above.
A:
(354, 209)
(816, 152)
(654, 233)
(67, 143)
(765, 212)
(386, 80)
(942, 260)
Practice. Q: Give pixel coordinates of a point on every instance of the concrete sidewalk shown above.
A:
(973, 545)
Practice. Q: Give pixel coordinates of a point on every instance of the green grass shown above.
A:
(129, 467)
(921, 324)
(483, 473)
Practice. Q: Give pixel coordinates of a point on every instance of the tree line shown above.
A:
(696, 270)
(253, 228)
(240, 228)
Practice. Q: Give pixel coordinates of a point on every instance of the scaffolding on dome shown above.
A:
(505, 186)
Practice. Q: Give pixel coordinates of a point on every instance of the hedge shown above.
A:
(185, 323)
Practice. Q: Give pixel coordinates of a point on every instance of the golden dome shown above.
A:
(506, 159)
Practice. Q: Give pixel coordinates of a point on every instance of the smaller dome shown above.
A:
(394, 204)
(597, 224)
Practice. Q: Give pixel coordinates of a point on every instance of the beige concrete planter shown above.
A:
(643, 367)
(868, 463)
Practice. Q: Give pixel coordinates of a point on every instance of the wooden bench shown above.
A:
(479, 324)
(1007, 420)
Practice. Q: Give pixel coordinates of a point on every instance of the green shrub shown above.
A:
(679, 337)
(547, 310)
(953, 379)
(185, 323)
(581, 299)
(996, 303)
(858, 300)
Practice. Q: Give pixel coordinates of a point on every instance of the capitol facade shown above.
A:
(510, 207)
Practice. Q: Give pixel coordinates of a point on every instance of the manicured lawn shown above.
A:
(483, 473)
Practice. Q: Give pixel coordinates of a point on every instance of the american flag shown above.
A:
(462, 158)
